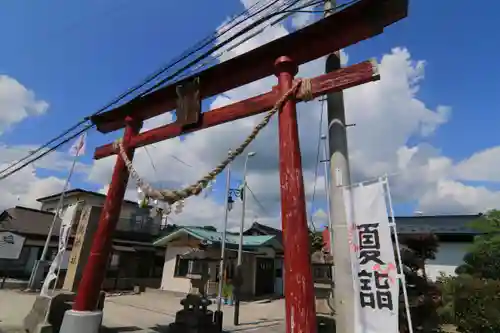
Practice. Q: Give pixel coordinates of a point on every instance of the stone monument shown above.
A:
(87, 226)
(195, 317)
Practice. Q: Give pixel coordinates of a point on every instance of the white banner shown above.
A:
(64, 232)
(374, 266)
(11, 245)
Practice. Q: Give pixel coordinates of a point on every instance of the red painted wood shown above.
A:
(95, 269)
(331, 82)
(299, 288)
(362, 20)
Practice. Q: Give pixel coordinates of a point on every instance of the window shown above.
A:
(184, 267)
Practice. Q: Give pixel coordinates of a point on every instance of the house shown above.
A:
(186, 247)
(134, 259)
(453, 233)
(32, 224)
(258, 229)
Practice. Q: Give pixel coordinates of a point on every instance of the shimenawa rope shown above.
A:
(301, 88)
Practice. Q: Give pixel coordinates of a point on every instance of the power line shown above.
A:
(45, 153)
(151, 161)
(252, 35)
(317, 163)
(258, 202)
(148, 79)
(215, 48)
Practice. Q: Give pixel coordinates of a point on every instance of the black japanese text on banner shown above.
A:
(374, 266)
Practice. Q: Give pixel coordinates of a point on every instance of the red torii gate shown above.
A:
(357, 22)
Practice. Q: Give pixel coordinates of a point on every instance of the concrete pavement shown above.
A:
(149, 312)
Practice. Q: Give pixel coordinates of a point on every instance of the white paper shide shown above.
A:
(64, 232)
(375, 274)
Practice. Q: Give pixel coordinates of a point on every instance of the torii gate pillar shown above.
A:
(299, 289)
(95, 269)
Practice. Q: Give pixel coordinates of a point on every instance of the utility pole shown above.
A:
(340, 176)
(239, 275)
(218, 315)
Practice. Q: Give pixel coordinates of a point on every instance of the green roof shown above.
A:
(214, 237)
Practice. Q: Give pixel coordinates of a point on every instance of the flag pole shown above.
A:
(398, 253)
(33, 279)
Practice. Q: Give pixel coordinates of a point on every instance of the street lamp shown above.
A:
(230, 202)
(239, 275)
(218, 315)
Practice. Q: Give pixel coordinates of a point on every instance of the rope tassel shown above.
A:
(301, 88)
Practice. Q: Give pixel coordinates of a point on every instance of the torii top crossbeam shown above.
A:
(364, 19)
(360, 21)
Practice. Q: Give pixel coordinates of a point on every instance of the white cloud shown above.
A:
(481, 166)
(387, 115)
(25, 186)
(17, 103)
(449, 196)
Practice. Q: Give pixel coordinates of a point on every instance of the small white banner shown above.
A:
(372, 253)
(11, 245)
(64, 232)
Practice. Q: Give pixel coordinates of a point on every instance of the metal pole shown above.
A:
(398, 253)
(34, 274)
(218, 316)
(299, 288)
(94, 272)
(240, 244)
(340, 176)
(327, 191)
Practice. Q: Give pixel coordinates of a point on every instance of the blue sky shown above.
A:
(78, 55)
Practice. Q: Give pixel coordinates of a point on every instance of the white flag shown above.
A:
(78, 148)
(376, 287)
(67, 220)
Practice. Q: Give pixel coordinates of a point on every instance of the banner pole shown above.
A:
(398, 253)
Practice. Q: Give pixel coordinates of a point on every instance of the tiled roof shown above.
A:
(30, 221)
(216, 237)
(25, 220)
(439, 225)
(77, 191)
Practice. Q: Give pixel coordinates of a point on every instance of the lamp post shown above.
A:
(239, 275)
(230, 202)
(218, 316)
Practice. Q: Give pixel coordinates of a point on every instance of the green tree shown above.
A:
(471, 300)
(316, 242)
(483, 257)
(423, 294)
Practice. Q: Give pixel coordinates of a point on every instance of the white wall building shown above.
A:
(453, 232)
